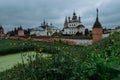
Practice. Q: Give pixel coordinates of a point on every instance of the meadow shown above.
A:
(100, 61)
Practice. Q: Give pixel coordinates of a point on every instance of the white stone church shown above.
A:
(73, 25)
(44, 30)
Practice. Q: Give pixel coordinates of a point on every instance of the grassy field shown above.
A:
(100, 61)
(13, 46)
(8, 46)
(8, 61)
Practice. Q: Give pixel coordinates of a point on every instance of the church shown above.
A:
(73, 26)
(44, 30)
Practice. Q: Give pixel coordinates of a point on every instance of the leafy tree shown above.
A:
(79, 34)
(86, 32)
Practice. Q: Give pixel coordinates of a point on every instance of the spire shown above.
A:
(79, 19)
(1, 30)
(97, 23)
(20, 28)
(1, 27)
(97, 15)
(69, 18)
(74, 16)
(41, 24)
(74, 13)
(44, 22)
(66, 22)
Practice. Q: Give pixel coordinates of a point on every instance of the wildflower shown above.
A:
(113, 40)
(10, 44)
(14, 44)
(23, 44)
(111, 33)
(109, 47)
(95, 49)
(40, 50)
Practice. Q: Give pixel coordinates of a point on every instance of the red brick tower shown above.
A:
(97, 30)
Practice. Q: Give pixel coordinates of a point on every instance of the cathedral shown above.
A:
(73, 26)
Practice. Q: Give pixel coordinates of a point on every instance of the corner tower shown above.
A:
(97, 30)
(20, 31)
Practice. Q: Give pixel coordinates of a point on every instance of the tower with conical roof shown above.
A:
(97, 30)
(20, 31)
(65, 23)
(1, 32)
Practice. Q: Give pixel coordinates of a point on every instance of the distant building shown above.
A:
(1, 32)
(105, 31)
(97, 30)
(21, 31)
(44, 30)
(117, 28)
(73, 26)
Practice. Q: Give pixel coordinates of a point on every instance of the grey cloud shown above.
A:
(30, 13)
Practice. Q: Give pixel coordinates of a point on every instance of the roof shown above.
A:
(20, 28)
(54, 28)
(41, 28)
(80, 26)
(38, 28)
(1, 27)
(97, 23)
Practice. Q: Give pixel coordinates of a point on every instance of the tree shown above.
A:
(79, 34)
(86, 32)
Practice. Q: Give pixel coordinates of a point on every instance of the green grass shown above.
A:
(13, 46)
(100, 61)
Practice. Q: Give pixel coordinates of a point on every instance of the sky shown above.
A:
(30, 13)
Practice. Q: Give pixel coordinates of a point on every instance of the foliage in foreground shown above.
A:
(100, 61)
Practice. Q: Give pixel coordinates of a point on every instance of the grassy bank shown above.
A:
(100, 61)
(8, 46)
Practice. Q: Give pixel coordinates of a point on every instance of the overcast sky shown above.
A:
(30, 13)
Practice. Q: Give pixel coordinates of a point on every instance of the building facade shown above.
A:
(73, 25)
